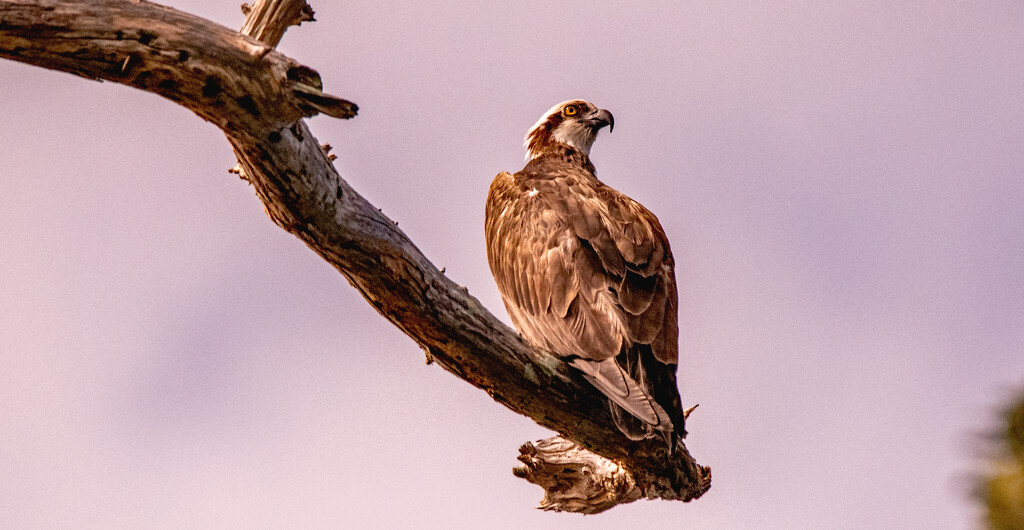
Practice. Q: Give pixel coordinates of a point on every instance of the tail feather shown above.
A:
(627, 397)
(634, 428)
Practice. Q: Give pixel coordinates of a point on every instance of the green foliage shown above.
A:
(1002, 490)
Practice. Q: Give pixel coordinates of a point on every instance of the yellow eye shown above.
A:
(570, 110)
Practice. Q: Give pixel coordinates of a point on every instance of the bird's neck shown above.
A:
(564, 153)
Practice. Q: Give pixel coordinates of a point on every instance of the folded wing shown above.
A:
(587, 273)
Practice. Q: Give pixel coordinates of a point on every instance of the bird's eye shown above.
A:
(570, 110)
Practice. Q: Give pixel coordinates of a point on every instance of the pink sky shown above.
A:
(842, 185)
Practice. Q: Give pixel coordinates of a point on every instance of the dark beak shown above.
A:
(599, 118)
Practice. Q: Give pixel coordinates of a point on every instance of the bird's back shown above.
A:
(586, 272)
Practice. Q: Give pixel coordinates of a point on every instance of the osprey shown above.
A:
(586, 273)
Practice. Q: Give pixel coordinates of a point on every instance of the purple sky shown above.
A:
(842, 184)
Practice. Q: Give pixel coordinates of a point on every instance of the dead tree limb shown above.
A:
(259, 97)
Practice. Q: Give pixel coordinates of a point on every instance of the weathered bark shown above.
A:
(258, 97)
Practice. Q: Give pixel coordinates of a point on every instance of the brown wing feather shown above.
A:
(583, 269)
(586, 272)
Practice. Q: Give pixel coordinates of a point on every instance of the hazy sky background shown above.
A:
(842, 184)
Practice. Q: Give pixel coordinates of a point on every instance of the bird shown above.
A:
(586, 273)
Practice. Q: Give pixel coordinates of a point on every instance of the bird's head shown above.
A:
(572, 123)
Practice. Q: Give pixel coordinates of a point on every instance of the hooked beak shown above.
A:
(599, 118)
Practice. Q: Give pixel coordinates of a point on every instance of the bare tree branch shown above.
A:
(258, 97)
(267, 20)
